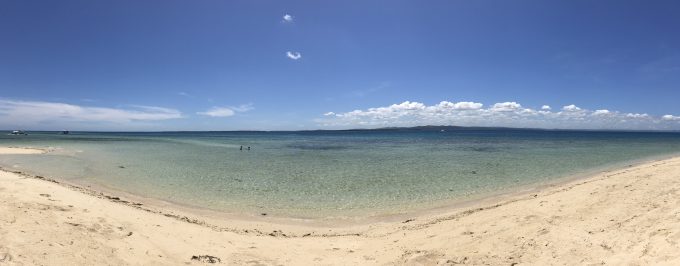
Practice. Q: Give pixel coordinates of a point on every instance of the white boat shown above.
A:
(18, 132)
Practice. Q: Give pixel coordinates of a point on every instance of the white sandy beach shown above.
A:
(627, 216)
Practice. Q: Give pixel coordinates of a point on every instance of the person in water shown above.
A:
(248, 147)
(240, 149)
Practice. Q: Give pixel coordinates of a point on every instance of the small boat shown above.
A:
(65, 132)
(18, 132)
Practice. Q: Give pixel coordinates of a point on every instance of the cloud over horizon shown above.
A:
(671, 118)
(503, 114)
(31, 114)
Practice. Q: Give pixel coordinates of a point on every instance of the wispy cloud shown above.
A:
(293, 55)
(287, 18)
(227, 111)
(218, 112)
(509, 114)
(35, 113)
(243, 107)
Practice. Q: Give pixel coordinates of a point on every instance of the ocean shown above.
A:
(314, 174)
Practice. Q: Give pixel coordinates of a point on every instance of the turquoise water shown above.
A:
(328, 173)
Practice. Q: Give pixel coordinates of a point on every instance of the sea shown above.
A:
(321, 174)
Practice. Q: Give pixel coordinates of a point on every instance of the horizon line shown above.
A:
(365, 129)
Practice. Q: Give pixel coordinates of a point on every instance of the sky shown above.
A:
(290, 65)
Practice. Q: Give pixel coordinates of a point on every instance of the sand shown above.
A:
(21, 150)
(626, 216)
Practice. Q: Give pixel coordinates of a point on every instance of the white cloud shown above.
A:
(631, 115)
(670, 118)
(571, 108)
(506, 114)
(546, 107)
(406, 106)
(506, 107)
(293, 55)
(35, 114)
(287, 18)
(218, 111)
(467, 106)
(602, 112)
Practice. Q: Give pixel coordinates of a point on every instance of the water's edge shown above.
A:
(180, 210)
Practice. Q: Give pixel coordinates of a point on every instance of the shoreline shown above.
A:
(614, 216)
(251, 223)
(214, 218)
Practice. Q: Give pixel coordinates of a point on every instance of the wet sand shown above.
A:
(625, 216)
(20, 150)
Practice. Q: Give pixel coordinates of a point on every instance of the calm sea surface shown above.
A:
(329, 173)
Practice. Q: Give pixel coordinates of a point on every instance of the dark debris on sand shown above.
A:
(206, 258)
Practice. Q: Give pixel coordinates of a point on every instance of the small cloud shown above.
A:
(546, 107)
(227, 111)
(329, 114)
(287, 18)
(181, 93)
(293, 55)
(571, 108)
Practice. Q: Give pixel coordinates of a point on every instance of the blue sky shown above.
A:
(229, 65)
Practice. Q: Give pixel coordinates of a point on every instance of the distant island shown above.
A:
(473, 128)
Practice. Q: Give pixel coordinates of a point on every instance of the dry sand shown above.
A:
(627, 216)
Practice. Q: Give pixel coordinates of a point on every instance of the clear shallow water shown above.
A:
(319, 174)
